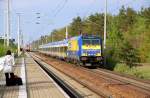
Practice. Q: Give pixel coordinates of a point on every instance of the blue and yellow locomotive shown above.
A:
(83, 50)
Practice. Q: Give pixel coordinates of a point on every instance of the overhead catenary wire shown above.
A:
(88, 9)
(58, 10)
(37, 30)
(58, 6)
(61, 7)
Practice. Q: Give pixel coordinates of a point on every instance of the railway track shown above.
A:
(69, 90)
(145, 85)
(103, 82)
(100, 94)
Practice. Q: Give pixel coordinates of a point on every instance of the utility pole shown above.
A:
(66, 32)
(51, 37)
(105, 30)
(38, 44)
(105, 24)
(8, 22)
(4, 28)
(22, 42)
(18, 33)
(46, 39)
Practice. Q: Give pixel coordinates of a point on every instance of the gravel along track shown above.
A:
(99, 83)
(140, 84)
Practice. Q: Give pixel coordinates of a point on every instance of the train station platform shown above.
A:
(36, 83)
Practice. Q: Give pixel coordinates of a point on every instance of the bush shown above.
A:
(139, 71)
(129, 54)
(3, 49)
(111, 59)
(122, 68)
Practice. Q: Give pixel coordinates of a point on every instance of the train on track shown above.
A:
(81, 50)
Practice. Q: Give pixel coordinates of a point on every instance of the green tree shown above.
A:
(129, 54)
(126, 19)
(76, 26)
(146, 14)
(94, 24)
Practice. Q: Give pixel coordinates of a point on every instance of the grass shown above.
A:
(144, 71)
(138, 71)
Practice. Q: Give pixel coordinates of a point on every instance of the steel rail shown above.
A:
(103, 95)
(68, 89)
(122, 78)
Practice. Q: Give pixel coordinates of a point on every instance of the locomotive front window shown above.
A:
(91, 41)
(86, 41)
(95, 41)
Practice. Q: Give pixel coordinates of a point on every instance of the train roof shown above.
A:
(75, 37)
(91, 37)
(86, 36)
(65, 41)
(55, 44)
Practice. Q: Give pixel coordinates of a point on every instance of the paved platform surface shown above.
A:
(13, 91)
(37, 84)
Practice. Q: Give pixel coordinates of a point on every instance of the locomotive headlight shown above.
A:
(98, 53)
(83, 58)
(84, 54)
(98, 58)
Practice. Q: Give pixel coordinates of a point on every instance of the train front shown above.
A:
(91, 51)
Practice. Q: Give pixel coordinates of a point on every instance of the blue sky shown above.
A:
(55, 14)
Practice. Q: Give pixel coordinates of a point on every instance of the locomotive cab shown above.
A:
(91, 50)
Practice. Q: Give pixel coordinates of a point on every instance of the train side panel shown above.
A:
(74, 48)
